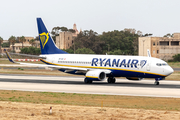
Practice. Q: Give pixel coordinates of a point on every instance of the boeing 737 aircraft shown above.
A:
(97, 67)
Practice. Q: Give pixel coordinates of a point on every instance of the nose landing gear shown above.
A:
(158, 79)
(156, 82)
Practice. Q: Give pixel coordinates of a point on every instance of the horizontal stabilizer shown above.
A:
(35, 56)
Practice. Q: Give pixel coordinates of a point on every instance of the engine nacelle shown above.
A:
(134, 78)
(96, 75)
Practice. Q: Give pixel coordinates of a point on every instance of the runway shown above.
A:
(76, 85)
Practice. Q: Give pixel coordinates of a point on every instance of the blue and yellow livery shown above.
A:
(98, 67)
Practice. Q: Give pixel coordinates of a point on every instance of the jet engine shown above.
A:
(96, 75)
(134, 78)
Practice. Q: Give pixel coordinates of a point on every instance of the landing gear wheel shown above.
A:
(111, 80)
(87, 81)
(156, 83)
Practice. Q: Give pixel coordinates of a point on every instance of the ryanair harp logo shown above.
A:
(44, 37)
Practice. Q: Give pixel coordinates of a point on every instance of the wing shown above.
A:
(54, 66)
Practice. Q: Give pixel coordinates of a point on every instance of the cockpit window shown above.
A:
(161, 64)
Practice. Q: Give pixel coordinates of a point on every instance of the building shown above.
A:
(160, 47)
(66, 39)
(18, 46)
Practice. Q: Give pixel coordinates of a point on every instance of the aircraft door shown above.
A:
(148, 67)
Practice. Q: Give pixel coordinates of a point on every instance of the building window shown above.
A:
(157, 51)
(157, 43)
(175, 43)
(164, 43)
(153, 51)
(154, 44)
(72, 41)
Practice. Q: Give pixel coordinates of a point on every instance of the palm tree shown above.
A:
(12, 40)
(1, 41)
(32, 42)
(22, 40)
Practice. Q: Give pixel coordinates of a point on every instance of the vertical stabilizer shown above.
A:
(46, 42)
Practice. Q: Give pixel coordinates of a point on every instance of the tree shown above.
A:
(5, 44)
(71, 30)
(88, 39)
(69, 51)
(64, 28)
(55, 32)
(147, 34)
(32, 42)
(22, 40)
(84, 51)
(176, 58)
(12, 40)
(31, 50)
(1, 41)
(116, 52)
(168, 35)
(126, 41)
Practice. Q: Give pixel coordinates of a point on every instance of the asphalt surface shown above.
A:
(175, 69)
(76, 85)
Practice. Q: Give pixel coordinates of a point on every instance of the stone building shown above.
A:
(160, 47)
(66, 39)
(18, 46)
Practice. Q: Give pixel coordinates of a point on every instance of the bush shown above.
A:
(84, 51)
(69, 51)
(176, 58)
(31, 50)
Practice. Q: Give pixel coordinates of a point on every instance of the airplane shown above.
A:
(97, 67)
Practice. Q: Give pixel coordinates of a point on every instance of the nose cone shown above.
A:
(169, 70)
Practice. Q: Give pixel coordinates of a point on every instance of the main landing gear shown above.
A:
(87, 81)
(111, 80)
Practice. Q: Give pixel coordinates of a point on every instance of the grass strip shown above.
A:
(115, 101)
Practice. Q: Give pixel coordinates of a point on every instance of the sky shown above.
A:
(159, 17)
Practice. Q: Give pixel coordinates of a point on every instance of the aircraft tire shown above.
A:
(156, 83)
(111, 80)
(87, 81)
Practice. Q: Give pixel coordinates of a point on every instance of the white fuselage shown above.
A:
(119, 65)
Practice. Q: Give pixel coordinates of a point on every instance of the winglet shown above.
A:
(148, 53)
(8, 56)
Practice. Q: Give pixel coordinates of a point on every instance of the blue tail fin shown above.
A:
(46, 42)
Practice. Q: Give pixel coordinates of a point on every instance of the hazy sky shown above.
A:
(159, 17)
